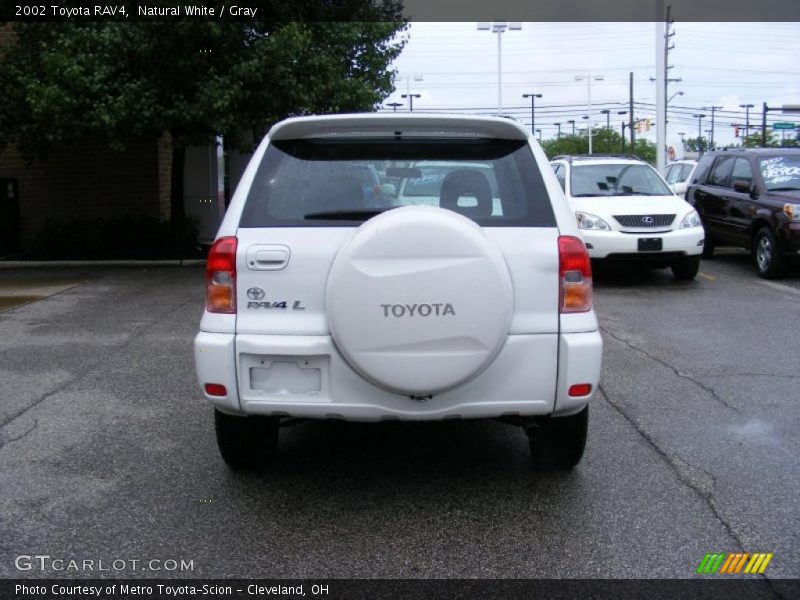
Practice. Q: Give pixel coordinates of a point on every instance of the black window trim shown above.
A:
(540, 210)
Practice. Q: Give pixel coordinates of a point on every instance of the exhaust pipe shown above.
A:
(532, 427)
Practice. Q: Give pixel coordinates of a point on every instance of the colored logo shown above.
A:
(735, 562)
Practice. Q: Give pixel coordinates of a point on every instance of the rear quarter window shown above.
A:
(703, 168)
(496, 183)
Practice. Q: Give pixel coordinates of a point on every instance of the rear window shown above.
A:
(335, 182)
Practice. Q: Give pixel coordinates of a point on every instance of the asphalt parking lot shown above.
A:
(107, 452)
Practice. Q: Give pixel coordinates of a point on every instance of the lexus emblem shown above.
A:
(255, 293)
(647, 220)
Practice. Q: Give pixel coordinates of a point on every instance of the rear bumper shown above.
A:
(530, 376)
(615, 244)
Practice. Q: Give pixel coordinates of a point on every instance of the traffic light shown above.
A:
(736, 131)
(647, 124)
(638, 127)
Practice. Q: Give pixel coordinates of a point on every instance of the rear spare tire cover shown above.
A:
(419, 301)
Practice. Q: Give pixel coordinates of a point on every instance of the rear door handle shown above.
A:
(271, 257)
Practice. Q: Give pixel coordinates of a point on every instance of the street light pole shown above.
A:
(533, 98)
(558, 135)
(572, 122)
(411, 100)
(711, 137)
(699, 133)
(539, 131)
(589, 78)
(623, 112)
(499, 27)
(394, 105)
(607, 113)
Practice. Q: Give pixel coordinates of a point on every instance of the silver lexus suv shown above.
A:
(457, 288)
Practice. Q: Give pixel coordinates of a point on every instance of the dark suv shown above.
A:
(750, 197)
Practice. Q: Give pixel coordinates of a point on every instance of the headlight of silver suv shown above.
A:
(587, 221)
(691, 220)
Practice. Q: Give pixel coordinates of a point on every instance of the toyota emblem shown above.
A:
(647, 220)
(255, 293)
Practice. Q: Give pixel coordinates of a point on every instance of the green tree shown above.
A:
(194, 79)
(695, 144)
(604, 141)
(790, 139)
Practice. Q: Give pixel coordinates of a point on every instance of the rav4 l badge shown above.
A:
(256, 294)
(298, 305)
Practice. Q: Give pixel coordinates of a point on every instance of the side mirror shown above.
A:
(742, 186)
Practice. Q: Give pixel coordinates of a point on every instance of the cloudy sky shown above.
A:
(454, 67)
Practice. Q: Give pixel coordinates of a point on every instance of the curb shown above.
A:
(41, 264)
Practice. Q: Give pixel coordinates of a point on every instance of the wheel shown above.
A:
(560, 442)
(770, 263)
(246, 442)
(686, 269)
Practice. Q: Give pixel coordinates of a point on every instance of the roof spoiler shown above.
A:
(398, 126)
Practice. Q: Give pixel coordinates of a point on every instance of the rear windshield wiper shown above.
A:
(356, 214)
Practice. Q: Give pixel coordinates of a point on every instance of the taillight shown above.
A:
(575, 275)
(216, 389)
(580, 389)
(221, 276)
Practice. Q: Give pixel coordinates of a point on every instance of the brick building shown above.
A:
(87, 180)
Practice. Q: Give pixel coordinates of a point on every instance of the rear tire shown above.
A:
(686, 268)
(561, 441)
(246, 442)
(769, 262)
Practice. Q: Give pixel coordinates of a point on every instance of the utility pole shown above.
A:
(533, 98)
(746, 108)
(630, 111)
(711, 137)
(699, 133)
(411, 100)
(661, 45)
(623, 112)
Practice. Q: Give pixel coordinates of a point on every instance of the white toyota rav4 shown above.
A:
(323, 302)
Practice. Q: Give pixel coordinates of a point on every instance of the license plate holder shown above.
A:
(650, 244)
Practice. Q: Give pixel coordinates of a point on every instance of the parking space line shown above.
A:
(709, 277)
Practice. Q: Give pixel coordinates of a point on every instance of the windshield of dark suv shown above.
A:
(616, 179)
(332, 181)
(781, 173)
